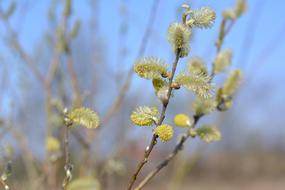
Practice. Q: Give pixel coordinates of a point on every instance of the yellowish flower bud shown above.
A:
(179, 37)
(150, 67)
(158, 84)
(145, 116)
(182, 120)
(164, 132)
(202, 18)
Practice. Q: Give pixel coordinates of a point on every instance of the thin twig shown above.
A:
(68, 166)
(66, 144)
(125, 87)
(170, 157)
(24, 56)
(74, 81)
(153, 141)
(27, 155)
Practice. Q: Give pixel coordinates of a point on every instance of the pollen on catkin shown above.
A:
(179, 37)
(199, 84)
(158, 84)
(144, 116)
(202, 18)
(164, 132)
(150, 67)
(182, 120)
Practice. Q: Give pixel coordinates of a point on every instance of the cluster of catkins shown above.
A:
(195, 77)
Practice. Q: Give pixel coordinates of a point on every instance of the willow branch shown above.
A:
(222, 34)
(74, 81)
(170, 157)
(153, 141)
(68, 166)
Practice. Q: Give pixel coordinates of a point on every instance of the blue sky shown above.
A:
(265, 68)
(268, 26)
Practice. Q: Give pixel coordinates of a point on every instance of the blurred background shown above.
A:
(51, 58)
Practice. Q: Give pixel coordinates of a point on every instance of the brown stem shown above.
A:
(222, 33)
(66, 144)
(74, 82)
(170, 157)
(68, 166)
(164, 163)
(153, 141)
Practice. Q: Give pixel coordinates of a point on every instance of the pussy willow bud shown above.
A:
(164, 132)
(179, 37)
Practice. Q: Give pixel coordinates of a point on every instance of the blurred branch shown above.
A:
(268, 50)
(74, 81)
(125, 87)
(250, 33)
(2, 85)
(23, 54)
(27, 155)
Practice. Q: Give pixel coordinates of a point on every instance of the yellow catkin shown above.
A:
(158, 84)
(164, 132)
(144, 116)
(179, 37)
(182, 120)
(150, 67)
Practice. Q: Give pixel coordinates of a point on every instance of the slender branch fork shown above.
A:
(222, 34)
(170, 157)
(153, 141)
